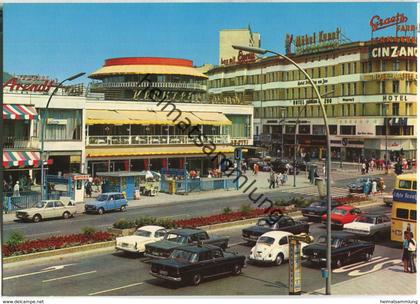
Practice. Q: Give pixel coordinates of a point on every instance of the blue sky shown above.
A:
(59, 40)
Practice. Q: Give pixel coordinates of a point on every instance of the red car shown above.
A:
(342, 215)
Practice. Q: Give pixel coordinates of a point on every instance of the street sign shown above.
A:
(238, 153)
(295, 274)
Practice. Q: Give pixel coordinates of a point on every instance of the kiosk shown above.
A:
(70, 185)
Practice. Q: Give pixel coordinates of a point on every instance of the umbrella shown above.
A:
(147, 174)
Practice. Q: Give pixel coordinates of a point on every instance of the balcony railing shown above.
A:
(146, 84)
(123, 140)
(21, 143)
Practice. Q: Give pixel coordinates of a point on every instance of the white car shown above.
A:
(369, 225)
(272, 247)
(144, 235)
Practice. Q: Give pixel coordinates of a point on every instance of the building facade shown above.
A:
(369, 90)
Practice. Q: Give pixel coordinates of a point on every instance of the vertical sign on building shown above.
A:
(295, 274)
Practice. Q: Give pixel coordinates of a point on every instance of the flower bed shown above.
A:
(55, 242)
(350, 199)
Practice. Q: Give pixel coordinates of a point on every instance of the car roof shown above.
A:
(340, 235)
(277, 234)
(186, 231)
(345, 207)
(198, 249)
(151, 228)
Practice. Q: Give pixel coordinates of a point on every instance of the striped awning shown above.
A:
(22, 159)
(20, 112)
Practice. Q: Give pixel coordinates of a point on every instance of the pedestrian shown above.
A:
(280, 178)
(412, 246)
(272, 180)
(381, 185)
(366, 187)
(372, 164)
(323, 170)
(88, 189)
(374, 187)
(367, 167)
(16, 190)
(405, 251)
(363, 168)
(283, 178)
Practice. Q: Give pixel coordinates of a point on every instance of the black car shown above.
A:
(192, 264)
(179, 237)
(280, 166)
(281, 223)
(357, 186)
(346, 248)
(317, 209)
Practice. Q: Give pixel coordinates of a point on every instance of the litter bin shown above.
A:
(320, 183)
(324, 273)
(172, 187)
(312, 170)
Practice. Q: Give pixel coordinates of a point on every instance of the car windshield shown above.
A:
(172, 237)
(339, 211)
(40, 205)
(142, 233)
(365, 219)
(265, 240)
(263, 223)
(102, 197)
(183, 255)
(361, 180)
(318, 204)
(323, 240)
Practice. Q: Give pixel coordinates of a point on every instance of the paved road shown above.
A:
(112, 274)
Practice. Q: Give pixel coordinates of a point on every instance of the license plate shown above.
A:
(163, 272)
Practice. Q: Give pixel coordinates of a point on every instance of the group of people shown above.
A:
(277, 179)
(409, 252)
(372, 186)
(14, 188)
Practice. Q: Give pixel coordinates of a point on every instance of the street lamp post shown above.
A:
(328, 156)
(386, 137)
(43, 126)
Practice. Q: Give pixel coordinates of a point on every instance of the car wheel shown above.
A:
(123, 208)
(66, 215)
(368, 256)
(237, 269)
(101, 211)
(279, 259)
(196, 279)
(338, 263)
(36, 218)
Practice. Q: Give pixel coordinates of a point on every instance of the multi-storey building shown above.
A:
(369, 90)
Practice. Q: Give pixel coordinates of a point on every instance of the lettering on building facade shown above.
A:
(394, 51)
(310, 43)
(377, 23)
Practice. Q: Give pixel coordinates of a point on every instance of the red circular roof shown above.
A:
(148, 61)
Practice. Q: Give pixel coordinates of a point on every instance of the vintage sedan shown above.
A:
(317, 209)
(192, 264)
(370, 225)
(342, 215)
(47, 209)
(346, 248)
(136, 243)
(272, 248)
(357, 186)
(280, 223)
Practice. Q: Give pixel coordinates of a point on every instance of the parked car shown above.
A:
(317, 209)
(107, 202)
(47, 209)
(357, 186)
(179, 237)
(342, 215)
(280, 166)
(280, 223)
(345, 248)
(370, 225)
(144, 235)
(192, 264)
(272, 247)
(388, 199)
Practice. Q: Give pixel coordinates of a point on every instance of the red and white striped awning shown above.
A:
(22, 159)
(20, 112)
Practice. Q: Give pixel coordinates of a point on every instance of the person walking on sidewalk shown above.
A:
(405, 251)
(374, 187)
(363, 168)
(272, 179)
(412, 246)
(16, 190)
(366, 187)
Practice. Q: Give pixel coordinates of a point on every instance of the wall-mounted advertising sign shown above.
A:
(394, 51)
(15, 84)
(242, 58)
(377, 23)
(311, 43)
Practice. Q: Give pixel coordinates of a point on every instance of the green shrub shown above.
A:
(227, 210)
(88, 230)
(15, 238)
(281, 203)
(165, 222)
(124, 224)
(246, 208)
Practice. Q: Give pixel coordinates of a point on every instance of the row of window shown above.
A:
(319, 72)
(344, 130)
(337, 110)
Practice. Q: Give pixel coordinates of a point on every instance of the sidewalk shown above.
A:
(388, 281)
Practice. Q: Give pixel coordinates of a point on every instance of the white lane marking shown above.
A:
(347, 267)
(359, 266)
(113, 289)
(48, 269)
(69, 276)
(377, 267)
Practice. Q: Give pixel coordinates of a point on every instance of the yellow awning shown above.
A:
(118, 117)
(150, 151)
(146, 69)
